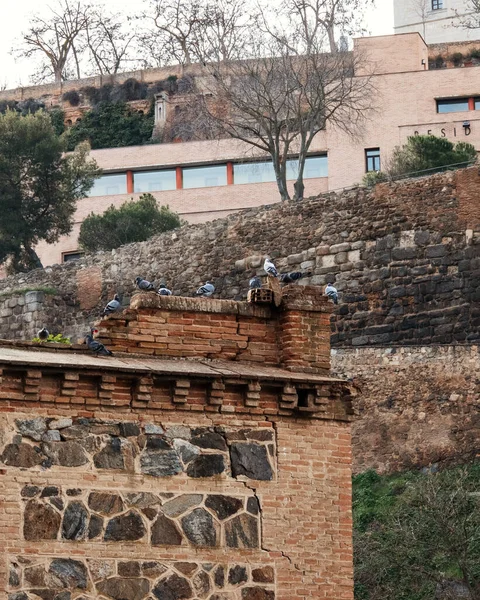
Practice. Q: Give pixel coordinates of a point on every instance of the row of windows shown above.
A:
(458, 105)
(208, 176)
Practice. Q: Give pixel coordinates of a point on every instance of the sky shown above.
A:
(14, 73)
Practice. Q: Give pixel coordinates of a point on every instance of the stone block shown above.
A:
(343, 247)
(295, 259)
(322, 250)
(328, 261)
(353, 256)
(341, 257)
(35, 297)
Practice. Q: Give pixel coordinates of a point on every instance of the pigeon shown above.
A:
(43, 334)
(144, 285)
(332, 293)
(113, 306)
(96, 347)
(205, 290)
(255, 283)
(291, 277)
(164, 291)
(269, 268)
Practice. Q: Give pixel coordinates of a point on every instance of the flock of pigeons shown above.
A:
(206, 291)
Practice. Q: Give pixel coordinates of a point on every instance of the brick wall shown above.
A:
(135, 477)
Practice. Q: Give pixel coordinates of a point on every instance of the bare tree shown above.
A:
(170, 29)
(421, 8)
(332, 17)
(56, 39)
(471, 18)
(280, 100)
(108, 41)
(223, 32)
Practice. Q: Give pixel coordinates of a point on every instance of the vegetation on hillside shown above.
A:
(111, 125)
(417, 536)
(134, 221)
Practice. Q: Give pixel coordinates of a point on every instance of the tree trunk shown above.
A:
(331, 39)
(299, 188)
(33, 259)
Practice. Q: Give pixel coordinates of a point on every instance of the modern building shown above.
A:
(437, 21)
(204, 180)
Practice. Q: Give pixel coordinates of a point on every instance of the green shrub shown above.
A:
(414, 533)
(134, 221)
(426, 154)
(57, 117)
(457, 58)
(373, 177)
(72, 97)
(57, 339)
(475, 53)
(112, 125)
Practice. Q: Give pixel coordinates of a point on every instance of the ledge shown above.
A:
(123, 362)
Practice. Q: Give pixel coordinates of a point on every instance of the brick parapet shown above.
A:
(294, 336)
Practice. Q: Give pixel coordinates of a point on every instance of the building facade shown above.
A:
(437, 21)
(205, 180)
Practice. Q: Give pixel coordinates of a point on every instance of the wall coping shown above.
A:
(124, 362)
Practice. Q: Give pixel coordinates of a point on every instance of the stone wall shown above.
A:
(419, 406)
(139, 477)
(405, 258)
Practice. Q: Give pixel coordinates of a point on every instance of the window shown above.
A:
(452, 105)
(316, 166)
(262, 171)
(372, 158)
(437, 4)
(154, 181)
(254, 172)
(68, 256)
(109, 185)
(198, 177)
(477, 103)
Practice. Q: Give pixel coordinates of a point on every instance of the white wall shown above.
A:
(438, 25)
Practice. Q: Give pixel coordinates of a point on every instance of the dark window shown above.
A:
(68, 256)
(452, 105)
(437, 4)
(372, 157)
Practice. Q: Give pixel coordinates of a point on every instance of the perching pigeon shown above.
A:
(291, 277)
(144, 285)
(269, 267)
(164, 291)
(255, 283)
(113, 306)
(332, 293)
(96, 347)
(206, 290)
(43, 334)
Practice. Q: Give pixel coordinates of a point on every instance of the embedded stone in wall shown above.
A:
(64, 579)
(163, 452)
(198, 520)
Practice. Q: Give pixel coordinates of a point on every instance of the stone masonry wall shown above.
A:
(139, 477)
(405, 257)
(418, 407)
